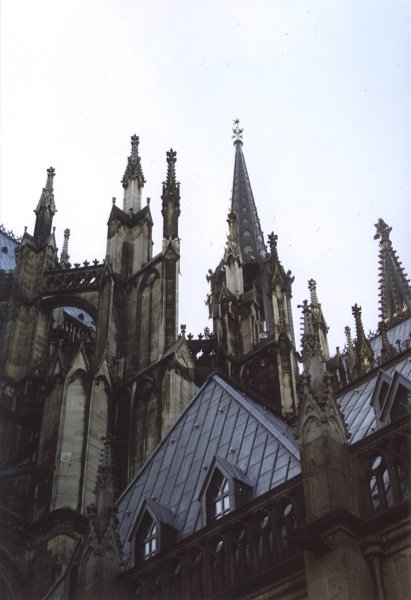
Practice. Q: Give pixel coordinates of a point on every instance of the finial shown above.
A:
(237, 132)
(383, 231)
(50, 176)
(312, 286)
(171, 169)
(134, 147)
(272, 240)
(133, 169)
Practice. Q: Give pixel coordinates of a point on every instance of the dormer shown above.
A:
(391, 398)
(225, 488)
(155, 529)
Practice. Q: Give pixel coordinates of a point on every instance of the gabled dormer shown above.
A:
(156, 528)
(225, 488)
(391, 398)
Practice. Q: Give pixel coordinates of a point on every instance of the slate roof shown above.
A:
(8, 245)
(401, 331)
(220, 422)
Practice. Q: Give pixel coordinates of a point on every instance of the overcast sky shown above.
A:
(322, 89)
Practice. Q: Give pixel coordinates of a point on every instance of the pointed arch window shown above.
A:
(219, 499)
(225, 488)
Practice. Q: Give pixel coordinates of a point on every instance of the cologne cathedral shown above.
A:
(140, 462)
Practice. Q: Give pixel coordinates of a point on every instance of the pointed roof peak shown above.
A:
(47, 195)
(133, 169)
(243, 206)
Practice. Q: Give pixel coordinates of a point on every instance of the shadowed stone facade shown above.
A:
(137, 462)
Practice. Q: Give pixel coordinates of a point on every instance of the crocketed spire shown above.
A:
(395, 291)
(47, 196)
(45, 210)
(243, 206)
(364, 355)
(133, 179)
(171, 198)
(65, 257)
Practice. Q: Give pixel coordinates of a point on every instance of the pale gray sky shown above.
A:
(322, 89)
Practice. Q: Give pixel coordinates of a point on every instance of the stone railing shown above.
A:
(74, 279)
(243, 547)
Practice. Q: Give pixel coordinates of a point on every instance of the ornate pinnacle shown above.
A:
(365, 355)
(64, 258)
(47, 195)
(171, 169)
(237, 132)
(133, 169)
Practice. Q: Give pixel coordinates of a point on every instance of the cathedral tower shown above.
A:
(250, 302)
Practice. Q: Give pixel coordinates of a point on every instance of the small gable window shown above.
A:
(156, 529)
(225, 488)
(219, 497)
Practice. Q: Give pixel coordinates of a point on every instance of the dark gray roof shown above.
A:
(355, 403)
(220, 422)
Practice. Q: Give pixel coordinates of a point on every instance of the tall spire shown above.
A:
(171, 199)
(395, 291)
(243, 206)
(45, 210)
(133, 179)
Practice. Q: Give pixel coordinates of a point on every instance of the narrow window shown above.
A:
(220, 498)
(150, 540)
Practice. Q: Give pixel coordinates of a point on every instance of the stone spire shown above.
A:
(171, 199)
(364, 355)
(395, 291)
(45, 210)
(133, 179)
(243, 206)
(65, 257)
(313, 359)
